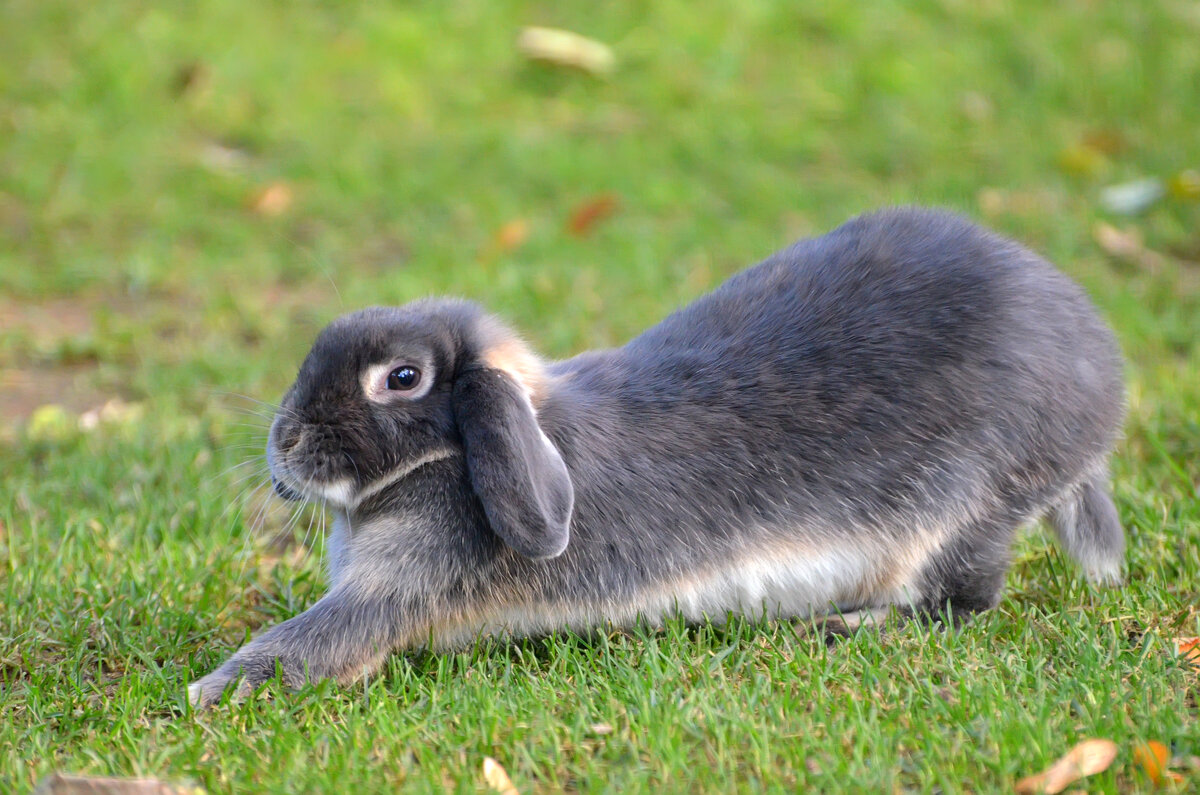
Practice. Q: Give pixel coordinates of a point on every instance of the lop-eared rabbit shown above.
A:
(859, 423)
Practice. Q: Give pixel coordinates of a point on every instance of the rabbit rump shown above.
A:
(858, 423)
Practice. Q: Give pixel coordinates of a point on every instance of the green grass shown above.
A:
(133, 137)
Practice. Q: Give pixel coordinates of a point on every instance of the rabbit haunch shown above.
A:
(860, 421)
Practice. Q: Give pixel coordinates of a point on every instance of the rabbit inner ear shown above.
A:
(515, 470)
(520, 364)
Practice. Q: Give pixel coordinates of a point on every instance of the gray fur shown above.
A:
(860, 422)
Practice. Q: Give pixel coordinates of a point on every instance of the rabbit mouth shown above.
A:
(285, 491)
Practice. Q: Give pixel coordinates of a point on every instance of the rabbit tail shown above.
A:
(1089, 529)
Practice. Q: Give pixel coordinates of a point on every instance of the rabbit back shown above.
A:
(887, 402)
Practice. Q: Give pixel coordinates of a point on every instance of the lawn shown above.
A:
(189, 191)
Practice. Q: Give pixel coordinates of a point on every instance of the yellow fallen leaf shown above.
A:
(497, 777)
(50, 422)
(1082, 160)
(1086, 759)
(1152, 756)
(512, 235)
(564, 48)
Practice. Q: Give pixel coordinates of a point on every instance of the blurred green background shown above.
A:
(400, 140)
(189, 191)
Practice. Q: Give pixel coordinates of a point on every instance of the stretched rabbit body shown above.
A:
(861, 421)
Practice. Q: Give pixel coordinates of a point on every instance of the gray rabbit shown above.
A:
(859, 423)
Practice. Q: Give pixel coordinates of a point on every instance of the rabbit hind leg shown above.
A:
(966, 575)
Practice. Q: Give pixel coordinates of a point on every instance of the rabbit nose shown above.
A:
(284, 491)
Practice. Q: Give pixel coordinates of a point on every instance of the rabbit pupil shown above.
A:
(403, 378)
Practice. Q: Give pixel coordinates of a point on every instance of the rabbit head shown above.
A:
(385, 391)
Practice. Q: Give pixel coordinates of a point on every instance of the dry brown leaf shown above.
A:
(512, 235)
(1086, 759)
(58, 784)
(497, 777)
(1127, 245)
(1152, 756)
(585, 216)
(1122, 243)
(1188, 649)
(564, 48)
(273, 200)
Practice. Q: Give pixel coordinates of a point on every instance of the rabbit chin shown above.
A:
(338, 493)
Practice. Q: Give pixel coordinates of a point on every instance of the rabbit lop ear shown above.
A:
(514, 468)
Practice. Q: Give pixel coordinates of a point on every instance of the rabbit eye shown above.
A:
(403, 378)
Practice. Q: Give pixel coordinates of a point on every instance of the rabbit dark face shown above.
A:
(371, 402)
(385, 391)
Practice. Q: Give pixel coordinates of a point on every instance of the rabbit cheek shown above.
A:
(398, 473)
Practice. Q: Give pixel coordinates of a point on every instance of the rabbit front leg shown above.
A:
(345, 635)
